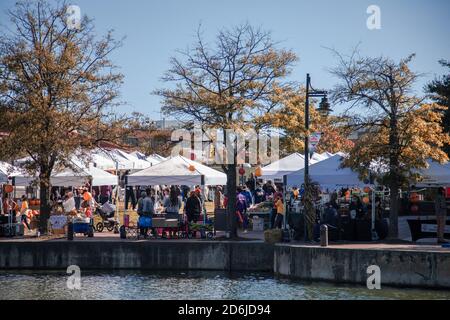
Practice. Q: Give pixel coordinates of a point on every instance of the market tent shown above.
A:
(138, 155)
(175, 171)
(327, 154)
(101, 177)
(102, 161)
(158, 157)
(153, 160)
(327, 173)
(291, 163)
(128, 161)
(435, 174)
(316, 157)
(6, 170)
(70, 177)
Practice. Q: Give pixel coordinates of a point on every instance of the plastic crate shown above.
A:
(81, 227)
(145, 222)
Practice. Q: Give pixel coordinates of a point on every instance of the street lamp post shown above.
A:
(324, 109)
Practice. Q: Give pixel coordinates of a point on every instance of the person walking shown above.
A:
(280, 213)
(218, 197)
(241, 208)
(148, 210)
(105, 194)
(193, 207)
(440, 205)
(24, 211)
(172, 204)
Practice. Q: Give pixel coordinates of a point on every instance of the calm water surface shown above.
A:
(188, 285)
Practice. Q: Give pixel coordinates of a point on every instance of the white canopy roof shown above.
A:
(286, 165)
(327, 154)
(6, 170)
(435, 174)
(102, 161)
(158, 157)
(128, 161)
(153, 160)
(138, 155)
(327, 173)
(69, 177)
(175, 171)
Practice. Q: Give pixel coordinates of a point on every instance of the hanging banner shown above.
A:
(314, 139)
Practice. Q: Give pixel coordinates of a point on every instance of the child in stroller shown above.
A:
(107, 213)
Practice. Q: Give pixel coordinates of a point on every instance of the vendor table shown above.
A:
(266, 215)
(426, 228)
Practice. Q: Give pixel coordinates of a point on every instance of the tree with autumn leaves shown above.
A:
(400, 130)
(226, 85)
(289, 118)
(57, 88)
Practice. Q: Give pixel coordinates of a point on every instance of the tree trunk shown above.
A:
(231, 194)
(393, 214)
(44, 195)
(393, 179)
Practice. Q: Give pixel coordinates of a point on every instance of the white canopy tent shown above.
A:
(102, 161)
(6, 171)
(138, 155)
(286, 165)
(435, 175)
(153, 160)
(128, 161)
(327, 173)
(158, 157)
(327, 154)
(175, 171)
(69, 177)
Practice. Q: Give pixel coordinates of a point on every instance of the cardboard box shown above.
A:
(258, 224)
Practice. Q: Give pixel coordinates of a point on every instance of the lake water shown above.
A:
(188, 285)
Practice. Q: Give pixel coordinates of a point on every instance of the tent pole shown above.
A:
(203, 202)
(284, 201)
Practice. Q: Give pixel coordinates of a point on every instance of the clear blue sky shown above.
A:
(155, 29)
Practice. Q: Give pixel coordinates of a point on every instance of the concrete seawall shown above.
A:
(162, 255)
(412, 266)
(398, 267)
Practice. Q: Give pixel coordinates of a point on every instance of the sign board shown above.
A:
(433, 228)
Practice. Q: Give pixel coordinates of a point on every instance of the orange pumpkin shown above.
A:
(258, 172)
(87, 196)
(414, 197)
(8, 188)
(366, 189)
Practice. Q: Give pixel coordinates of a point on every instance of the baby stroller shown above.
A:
(107, 213)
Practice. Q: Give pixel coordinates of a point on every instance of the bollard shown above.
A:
(324, 235)
(70, 231)
(123, 232)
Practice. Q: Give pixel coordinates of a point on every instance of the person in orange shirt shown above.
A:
(24, 211)
(280, 213)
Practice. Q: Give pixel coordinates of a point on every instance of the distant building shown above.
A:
(165, 124)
